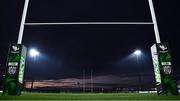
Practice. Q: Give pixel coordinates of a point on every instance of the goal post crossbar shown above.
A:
(153, 16)
(89, 23)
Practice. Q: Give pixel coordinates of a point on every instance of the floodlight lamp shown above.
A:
(34, 53)
(137, 52)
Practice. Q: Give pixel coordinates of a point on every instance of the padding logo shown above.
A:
(167, 69)
(12, 70)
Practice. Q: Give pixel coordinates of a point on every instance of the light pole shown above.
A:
(84, 85)
(91, 80)
(138, 53)
(33, 53)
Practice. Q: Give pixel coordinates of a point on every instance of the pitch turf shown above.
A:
(89, 96)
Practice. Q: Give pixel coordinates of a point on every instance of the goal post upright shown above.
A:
(153, 16)
(15, 64)
(23, 19)
(162, 62)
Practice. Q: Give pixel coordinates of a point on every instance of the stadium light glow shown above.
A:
(137, 52)
(34, 53)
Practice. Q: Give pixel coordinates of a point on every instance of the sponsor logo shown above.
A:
(165, 63)
(167, 69)
(13, 64)
(15, 48)
(12, 70)
(163, 47)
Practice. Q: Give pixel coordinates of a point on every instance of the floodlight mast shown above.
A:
(156, 30)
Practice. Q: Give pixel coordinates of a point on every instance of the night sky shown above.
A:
(67, 50)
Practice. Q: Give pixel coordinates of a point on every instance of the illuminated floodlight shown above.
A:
(34, 52)
(137, 52)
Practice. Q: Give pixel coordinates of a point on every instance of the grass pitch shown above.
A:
(89, 96)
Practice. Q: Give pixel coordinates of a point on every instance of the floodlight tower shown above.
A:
(138, 53)
(33, 53)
